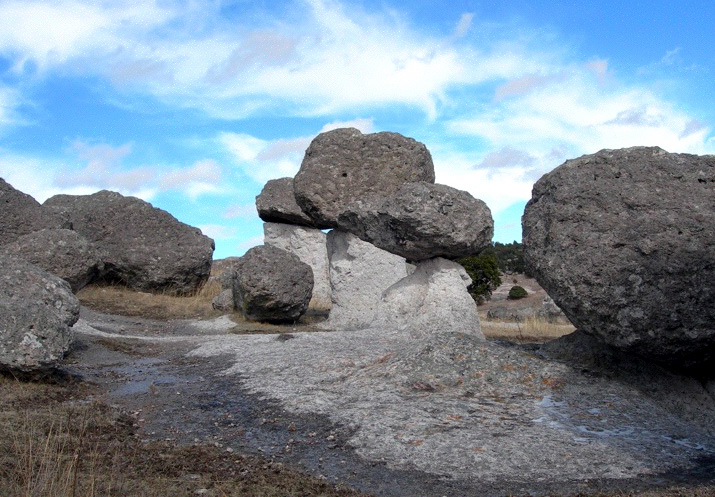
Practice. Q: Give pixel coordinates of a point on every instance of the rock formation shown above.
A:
(344, 165)
(431, 300)
(276, 204)
(624, 242)
(421, 221)
(20, 214)
(145, 248)
(37, 310)
(64, 253)
(359, 274)
(272, 285)
(309, 245)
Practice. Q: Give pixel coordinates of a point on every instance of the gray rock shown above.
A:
(433, 299)
(276, 204)
(344, 165)
(37, 310)
(420, 221)
(359, 274)
(624, 242)
(272, 285)
(145, 248)
(64, 253)
(20, 214)
(309, 245)
(223, 301)
(548, 311)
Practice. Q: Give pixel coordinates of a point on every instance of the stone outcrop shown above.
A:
(433, 299)
(223, 301)
(343, 165)
(64, 253)
(420, 221)
(276, 204)
(309, 245)
(145, 248)
(37, 310)
(20, 214)
(272, 285)
(624, 242)
(359, 274)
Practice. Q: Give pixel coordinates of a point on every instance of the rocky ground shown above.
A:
(388, 415)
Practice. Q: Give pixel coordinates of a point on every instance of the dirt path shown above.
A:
(389, 416)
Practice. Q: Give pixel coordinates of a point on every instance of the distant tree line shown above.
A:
(485, 267)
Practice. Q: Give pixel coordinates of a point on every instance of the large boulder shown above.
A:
(272, 285)
(309, 245)
(21, 214)
(359, 275)
(64, 253)
(343, 165)
(276, 204)
(433, 299)
(420, 221)
(37, 310)
(145, 248)
(624, 242)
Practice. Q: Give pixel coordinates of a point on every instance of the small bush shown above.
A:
(517, 292)
(483, 270)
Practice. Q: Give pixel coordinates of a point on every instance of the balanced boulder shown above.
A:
(64, 253)
(145, 248)
(420, 221)
(272, 285)
(21, 214)
(624, 242)
(276, 204)
(37, 310)
(343, 165)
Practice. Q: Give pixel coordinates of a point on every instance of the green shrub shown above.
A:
(517, 292)
(484, 271)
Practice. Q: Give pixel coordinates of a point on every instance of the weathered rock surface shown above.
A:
(359, 274)
(309, 245)
(272, 285)
(433, 299)
(343, 165)
(276, 204)
(36, 311)
(548, 311)
(145, 248)
(64, 253)
(223, 301)
(421, 221)
(20, 214)
(624, 242)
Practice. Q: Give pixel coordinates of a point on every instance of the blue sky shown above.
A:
(194, 105)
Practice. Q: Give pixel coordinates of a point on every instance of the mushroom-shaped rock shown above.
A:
(422, 220)
(64, 253)
(276, 204)
(37, 310)
(344, 165)
(624, 242)
(144, 248)
(272, 285)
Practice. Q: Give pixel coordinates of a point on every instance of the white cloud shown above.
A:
(241, 211)
(218, 231)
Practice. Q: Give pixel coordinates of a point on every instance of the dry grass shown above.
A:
(531, 330)
(54, 442)
(127, 302)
